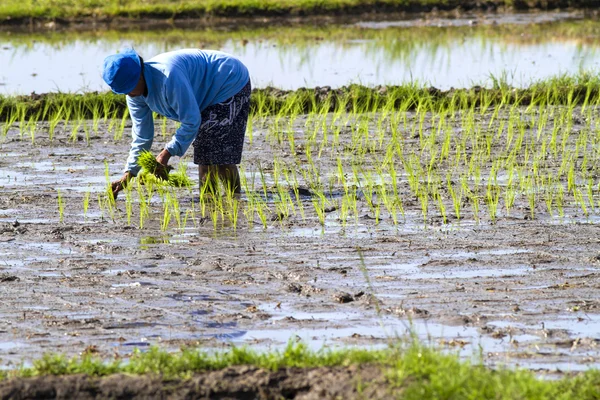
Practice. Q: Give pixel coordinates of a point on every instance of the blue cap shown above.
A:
(122, 71)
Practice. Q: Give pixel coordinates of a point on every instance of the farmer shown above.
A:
(208, 92)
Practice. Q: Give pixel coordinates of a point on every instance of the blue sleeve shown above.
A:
(142, 131)
(182, 100)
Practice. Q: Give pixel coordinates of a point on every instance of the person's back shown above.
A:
(213, 75)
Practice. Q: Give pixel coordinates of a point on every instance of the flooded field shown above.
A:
(462, 51)
(318, 252)
(369, 216)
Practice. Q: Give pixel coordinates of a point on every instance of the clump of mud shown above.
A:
(241, 382)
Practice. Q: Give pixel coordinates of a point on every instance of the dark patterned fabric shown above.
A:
(220, 139)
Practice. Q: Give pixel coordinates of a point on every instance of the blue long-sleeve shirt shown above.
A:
(181, 84)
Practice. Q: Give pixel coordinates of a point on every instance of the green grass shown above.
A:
(396, 41)
(50, 9)
(565, 89)
(413, 371)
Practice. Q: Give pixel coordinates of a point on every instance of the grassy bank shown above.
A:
(563, 90)
(16, 11)
(413, 372)
(398, 43)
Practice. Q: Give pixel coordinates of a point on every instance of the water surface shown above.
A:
(444, 53)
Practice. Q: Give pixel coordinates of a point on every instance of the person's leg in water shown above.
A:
(220, 141)
(211, 174)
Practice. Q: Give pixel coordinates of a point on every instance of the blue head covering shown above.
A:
(122, 71)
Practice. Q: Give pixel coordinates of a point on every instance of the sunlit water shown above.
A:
(460, 59)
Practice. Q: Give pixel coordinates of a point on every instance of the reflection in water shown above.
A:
(307, 57)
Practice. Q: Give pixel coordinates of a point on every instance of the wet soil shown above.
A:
(230, 383)
(517, 291)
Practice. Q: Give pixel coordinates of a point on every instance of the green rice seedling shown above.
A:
(560, 201)
(548, 199)
(121, 128)
(128, 203)
(9, 122)
(67, 112)
(32, 124)
(231, 207)
(424, 200)
(164, 225)
(61, 206)
(188, 213)
(250, 130)
(22, 115)
(109, 193)
(475, 206)
(383, 197)
(179, 178)
(175, 209)
(344, 209)
(580, 200)
(441, 207)
(86, 202)
(455, 195)
(75, 129)
(509, 197)
(299, 203)
(262, 211)
(167, 206)
(492, 199)
(86, 131)
(531, 198)
(234, 211)
(53, 122)
(143, 205)
(100, 205)
(93, 108)
(590, 193)
(214, 215)
(319, 204)
(249, 209)
(571, 185)
(107, 104)
(263, 180)
(112, 125)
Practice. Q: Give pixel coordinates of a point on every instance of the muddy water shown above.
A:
(518, 292)
(442, 52)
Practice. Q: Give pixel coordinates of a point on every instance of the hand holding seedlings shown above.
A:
(162, 167)
(155, 166)
(162, 171)
(120, 184)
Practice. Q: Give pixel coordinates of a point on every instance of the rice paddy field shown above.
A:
(432, 210)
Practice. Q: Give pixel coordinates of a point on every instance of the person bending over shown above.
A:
(207, 91)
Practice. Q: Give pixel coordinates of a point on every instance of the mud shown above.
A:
(229, 383)
(517, 291)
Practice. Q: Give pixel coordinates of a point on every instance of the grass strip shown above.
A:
(414, 371)
(560, 90)
(16, 11)
(395, 40)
